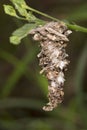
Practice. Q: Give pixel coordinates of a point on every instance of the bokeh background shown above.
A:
(23, 91)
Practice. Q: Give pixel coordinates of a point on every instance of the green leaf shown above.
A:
(15, 40)
(21, 6)
(10, 10)
(20, 33)
(31, 17)
(20, 3)
(22, 11)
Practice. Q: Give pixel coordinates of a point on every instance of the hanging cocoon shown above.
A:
(53, 38)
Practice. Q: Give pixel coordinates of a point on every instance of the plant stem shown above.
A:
(71, 26)
(43, 14)
(77, 27)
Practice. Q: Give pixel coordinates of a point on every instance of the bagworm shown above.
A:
(53, 38)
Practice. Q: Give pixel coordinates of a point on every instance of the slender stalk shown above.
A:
(71, 26)
(76, 27)
(43, 14)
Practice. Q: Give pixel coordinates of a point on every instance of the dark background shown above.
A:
(23, 90)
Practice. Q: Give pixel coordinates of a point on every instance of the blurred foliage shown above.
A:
(23, 90)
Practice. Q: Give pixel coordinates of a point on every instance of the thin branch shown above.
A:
(77, 27)
(43, 14)
(71, 26)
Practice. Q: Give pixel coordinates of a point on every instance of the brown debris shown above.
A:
(53, 39)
